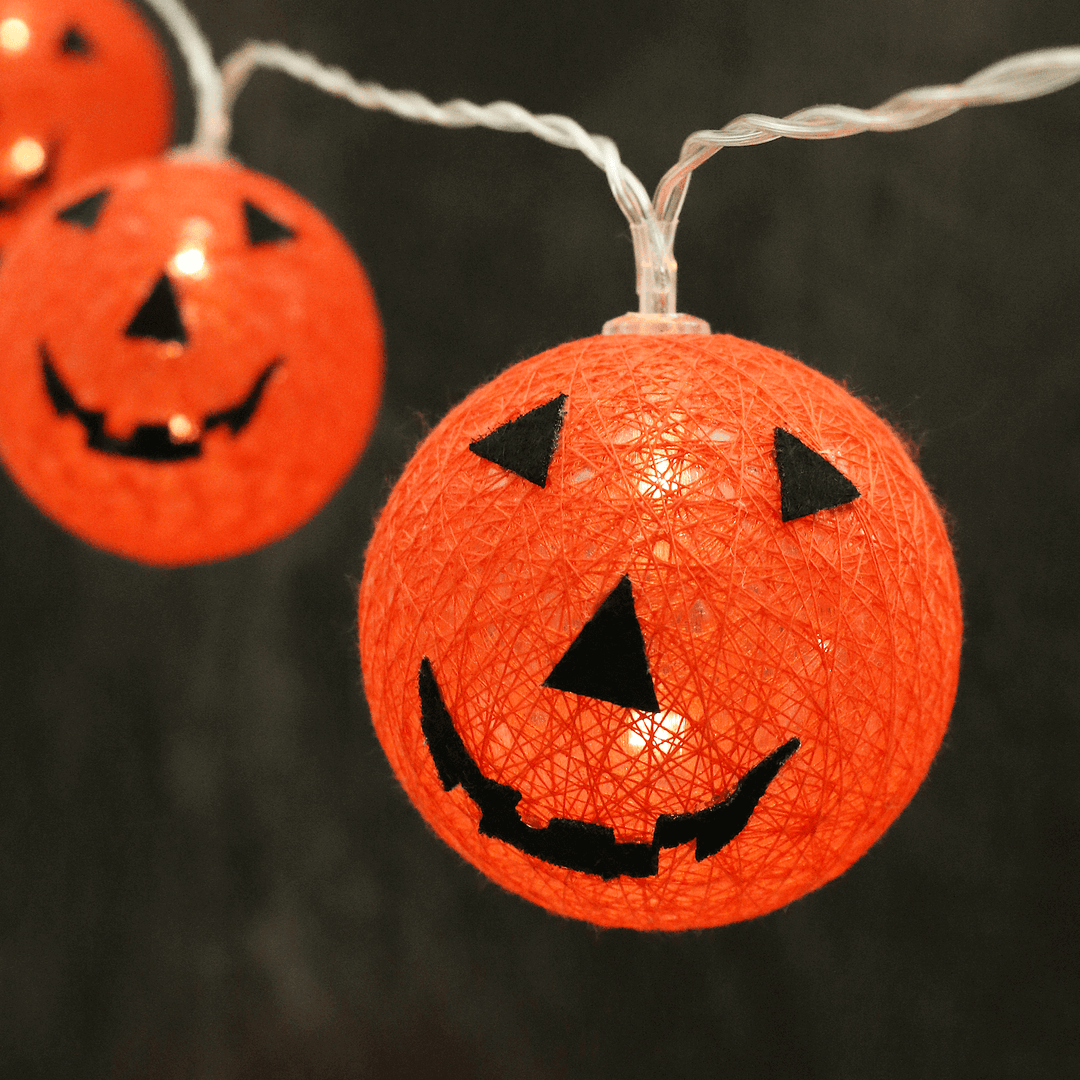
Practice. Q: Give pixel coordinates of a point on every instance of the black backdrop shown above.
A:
(206, 867)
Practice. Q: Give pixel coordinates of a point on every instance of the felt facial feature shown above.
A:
(808, 483)
(195, 360)
(158, 319)
(607, 661)
(584, 846)
(75, 43)
(177, 440)
(660, 632)
(526, 445)
(84, 213)
(84, 85)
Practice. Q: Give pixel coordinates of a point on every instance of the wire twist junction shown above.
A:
(1017, 78)
(653, 223)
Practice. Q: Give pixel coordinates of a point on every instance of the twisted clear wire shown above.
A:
(653, 223)
(1018, 78)
(628, 190)
(211, 125)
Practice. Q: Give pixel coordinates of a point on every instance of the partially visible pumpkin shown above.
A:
(192, 360)
(84, 85)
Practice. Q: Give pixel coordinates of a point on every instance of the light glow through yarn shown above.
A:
(660, 631)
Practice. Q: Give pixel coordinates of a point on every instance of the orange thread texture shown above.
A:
(185, 304)
(841, 628)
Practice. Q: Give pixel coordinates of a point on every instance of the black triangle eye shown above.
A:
(526, 445)
(808, 483)
(607, 659)
(262, 228)
(85, 212)
(75, 43)
(159, 316)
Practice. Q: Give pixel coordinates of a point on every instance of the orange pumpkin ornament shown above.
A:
(192, 360)
(83, 85)
(660, 631)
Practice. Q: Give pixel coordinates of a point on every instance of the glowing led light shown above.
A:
(26, 157)
(14, 35)
(190, 258)
(663, 476)
(191, 261)
(661, 732)
(181, 429)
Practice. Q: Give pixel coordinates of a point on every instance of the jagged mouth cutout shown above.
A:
(585, 846)
(158, 319)
(156, 443)
(607, 661)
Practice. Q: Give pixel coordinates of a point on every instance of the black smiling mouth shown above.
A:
(149, 442)
(580, 845)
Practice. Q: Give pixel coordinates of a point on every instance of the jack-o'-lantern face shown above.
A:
(83, 85)
(193, 360)
(660, 632)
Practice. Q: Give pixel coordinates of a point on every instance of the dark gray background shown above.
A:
(207, 868)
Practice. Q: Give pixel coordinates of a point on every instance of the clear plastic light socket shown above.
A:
(657, 271)
(656, 277)
(633, 322)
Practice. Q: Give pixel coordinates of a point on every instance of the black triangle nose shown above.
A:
(159, 316)
(607, 659)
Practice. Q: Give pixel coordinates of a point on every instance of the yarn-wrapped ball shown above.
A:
(192, 360)
(84, 85)
(662, 631)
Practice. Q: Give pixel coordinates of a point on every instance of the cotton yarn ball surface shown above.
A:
(192, 360)
(660, 632)
(83, 85)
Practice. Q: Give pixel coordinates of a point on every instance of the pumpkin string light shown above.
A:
(214, 396)
(84, 84)
(193, 355)
(659, 628)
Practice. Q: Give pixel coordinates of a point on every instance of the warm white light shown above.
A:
(181, 429)
(663, 475)
(192, 242)
(14, 35)
(191, 261)
(662, 731)
(26, 157)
